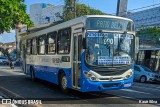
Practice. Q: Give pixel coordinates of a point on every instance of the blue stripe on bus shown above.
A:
(50, 73)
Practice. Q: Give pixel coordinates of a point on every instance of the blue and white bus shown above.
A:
(89, 53)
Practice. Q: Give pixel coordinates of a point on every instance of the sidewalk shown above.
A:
(7, 68)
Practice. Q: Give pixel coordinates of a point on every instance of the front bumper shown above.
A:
(150, 79)
(90, 86)
(157, 79)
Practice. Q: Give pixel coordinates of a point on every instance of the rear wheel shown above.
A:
(32, 74)
(143, 79)
(63, 83)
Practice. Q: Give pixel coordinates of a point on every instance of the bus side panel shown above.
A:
(50, 73)
(28, 69)
(46, 73)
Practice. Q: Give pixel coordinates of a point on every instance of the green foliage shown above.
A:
(4, 51)
(81, 10)
(12, 12)
(150, 33)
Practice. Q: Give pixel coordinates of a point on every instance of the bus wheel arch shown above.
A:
(62, 80)
(32, 73)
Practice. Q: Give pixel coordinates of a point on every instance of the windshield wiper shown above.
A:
(108, 45)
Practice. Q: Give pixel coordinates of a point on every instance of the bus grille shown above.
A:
(114, 78)
(110, 73)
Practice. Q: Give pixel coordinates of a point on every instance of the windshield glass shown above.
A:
(146, 69)
(109, 48)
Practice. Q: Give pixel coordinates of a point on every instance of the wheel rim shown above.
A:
(143, 79)
(64, 82)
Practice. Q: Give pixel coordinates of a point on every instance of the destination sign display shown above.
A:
(109, 24)
(117, 60)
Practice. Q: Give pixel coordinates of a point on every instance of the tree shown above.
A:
(81, 9)
(5, 51)
(150, 33)
(11, 13)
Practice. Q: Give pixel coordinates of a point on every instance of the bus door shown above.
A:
(77, 50)
(24, 58)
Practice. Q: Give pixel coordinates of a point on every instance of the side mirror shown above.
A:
(136, 45)
(84, 43)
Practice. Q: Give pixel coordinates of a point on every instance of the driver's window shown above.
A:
(137, 68)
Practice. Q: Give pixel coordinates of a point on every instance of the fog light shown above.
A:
(127, 85)
(128, 76)
(93, 78)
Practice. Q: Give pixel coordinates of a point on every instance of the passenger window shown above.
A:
(28, 47)
(34, 46)
(51, 43)
(41, 45)
(63, 41)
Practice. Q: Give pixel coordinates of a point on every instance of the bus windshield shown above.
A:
(109, 48)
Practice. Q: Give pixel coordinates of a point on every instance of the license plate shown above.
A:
(127, 85)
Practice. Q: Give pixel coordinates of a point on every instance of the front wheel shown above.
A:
(143, 79)
(63, 83)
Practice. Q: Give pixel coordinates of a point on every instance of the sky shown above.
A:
(106, 6)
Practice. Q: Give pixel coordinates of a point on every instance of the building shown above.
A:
(42, 13)
(148, 55)
(10, 46)
(145, 18)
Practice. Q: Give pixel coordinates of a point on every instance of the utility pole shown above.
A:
(121, 8)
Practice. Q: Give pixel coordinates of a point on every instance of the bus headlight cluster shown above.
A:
(129, 75)
(90, 76)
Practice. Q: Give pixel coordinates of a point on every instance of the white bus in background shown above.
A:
(89, 53)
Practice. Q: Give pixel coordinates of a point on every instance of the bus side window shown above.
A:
(28, 47)
(51, 43)
(63, 41)
(37, 42)
(34, 46)
(41, 45)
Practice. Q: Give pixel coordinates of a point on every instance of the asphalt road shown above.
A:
(14, 84)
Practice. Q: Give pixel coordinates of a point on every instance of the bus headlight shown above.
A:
(129, 75)
(90, 76)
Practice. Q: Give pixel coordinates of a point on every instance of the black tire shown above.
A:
(63, 83)
(143, 79)
(32, 74)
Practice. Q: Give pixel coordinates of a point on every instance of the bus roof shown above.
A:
(69, 23)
